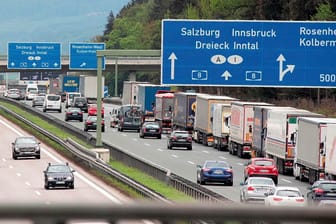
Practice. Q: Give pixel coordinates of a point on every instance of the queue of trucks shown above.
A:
(301, 142)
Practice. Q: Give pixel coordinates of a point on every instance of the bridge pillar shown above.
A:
(132, 76)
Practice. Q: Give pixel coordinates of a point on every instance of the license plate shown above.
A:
(152, 130)
(331, 194)
(264, 171)
(218, 172)
(74, 114)
(60, 182)
(181, 140)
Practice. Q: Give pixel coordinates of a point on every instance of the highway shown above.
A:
(181, 162)
(22, 180)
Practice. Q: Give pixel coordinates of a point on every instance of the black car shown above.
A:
(26, 146)
(150, 129)
(59, 175)
(80, 102)
(73, 113)
(179, 139)
(91, 124)
(321, 190)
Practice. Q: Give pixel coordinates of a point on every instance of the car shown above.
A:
(261, 167)
(52, 102)
(92, 110)
(59, 175)
(215, 171)
(254, 188)
(31, 94)
(150, 129)
(26, 146)
(13, 94)
(321, 190)
(91, 124)
(80, 102)
(38, 101)
(179, 139)
(285, 196)
(73, 113)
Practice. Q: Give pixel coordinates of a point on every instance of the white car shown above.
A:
(285, 196)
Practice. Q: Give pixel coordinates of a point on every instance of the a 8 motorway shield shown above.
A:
(248, 53)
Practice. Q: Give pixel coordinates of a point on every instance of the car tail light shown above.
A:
(205, 169)
(299, 199)
(174, 138)
(250, 188)
(277, 199)
(189, 139)
(229, 170)
(89, 122)
(68, 112)
(318, 191)
(246, 148)
(288, 163)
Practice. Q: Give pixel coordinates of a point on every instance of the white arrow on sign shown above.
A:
(172, 57)
(226, 75)
(282, 73)
(55, 64)
(83, 65)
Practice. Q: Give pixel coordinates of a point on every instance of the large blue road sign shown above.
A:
(34, 56)
(248, 53)
(83, 55)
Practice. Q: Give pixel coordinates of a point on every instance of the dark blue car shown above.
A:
(215, 171)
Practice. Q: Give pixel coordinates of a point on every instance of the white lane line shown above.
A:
(84, 179)
(205, 151)
(135, 139)
(11, 167)
(222, 157)
(4, 159)
(147, 144)
(161, 150)
(124, 135)
(192, 163)
(240, 164)
(285, 180)
(27, 183)
(38, 193)
(18, 174)
(175, 156)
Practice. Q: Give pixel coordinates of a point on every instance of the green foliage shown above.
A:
(324, 12)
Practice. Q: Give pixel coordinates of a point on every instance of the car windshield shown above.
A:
(288, 193)
(263, 163)
(182, 134)
(152, 125)
(25, 140)
(39, 98)
(262, 181)
(80, 100)
(213, 164)
(54, 98)
(328, 186)
(58, 169)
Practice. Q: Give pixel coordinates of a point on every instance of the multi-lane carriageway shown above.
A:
(180, 162)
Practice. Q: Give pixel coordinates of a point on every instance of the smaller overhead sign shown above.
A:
(34, 56)
(83, 55)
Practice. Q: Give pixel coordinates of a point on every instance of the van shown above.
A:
(52, 102)
(69, 97)
(31, 91)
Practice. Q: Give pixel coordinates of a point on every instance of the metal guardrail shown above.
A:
(192, 189)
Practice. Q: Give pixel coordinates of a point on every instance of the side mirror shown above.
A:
(199, 166)
(241, 183)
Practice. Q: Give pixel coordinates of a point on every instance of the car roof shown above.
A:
(279, 188)
(261, 158)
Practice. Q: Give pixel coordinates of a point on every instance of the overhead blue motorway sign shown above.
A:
(248, 53)
(83, 55)
(34, 56)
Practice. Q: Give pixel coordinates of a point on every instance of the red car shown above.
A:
(261, 167)
(92, 110)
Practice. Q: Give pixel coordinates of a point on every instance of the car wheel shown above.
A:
(14, 156)
(81, 120)
(44, 110)
(202, 182)
(85, 129)
(103, 130)
(189, 148)
(46, 186)
(230, 183)
(159, 136)
(275, 179)
(38, 157)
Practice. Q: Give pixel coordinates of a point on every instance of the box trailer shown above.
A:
(221, 127)
(184, 111)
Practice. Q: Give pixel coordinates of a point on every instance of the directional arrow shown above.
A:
(172, 57)
(82, 65)
(12, 64)
(34, 64)
(55, 64)
(226, 75)
(282, 73)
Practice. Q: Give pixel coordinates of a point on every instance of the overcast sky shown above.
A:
(61, 21)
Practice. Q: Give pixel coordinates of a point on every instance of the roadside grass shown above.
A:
(158, 186)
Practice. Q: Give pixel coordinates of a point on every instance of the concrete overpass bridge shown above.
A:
(123, 63)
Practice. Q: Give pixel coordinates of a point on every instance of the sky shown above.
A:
(56, 21)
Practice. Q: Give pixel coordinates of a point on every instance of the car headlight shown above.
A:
(50, 178)
(37, 148)
(17, 149)
(69, 178)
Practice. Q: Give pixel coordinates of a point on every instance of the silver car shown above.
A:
(26, 146)
(254, 189)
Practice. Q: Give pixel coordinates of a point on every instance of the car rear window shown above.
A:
(54, 98)
(262, 181)
(288, 193)
(263, 163)
(328, 186)
(217, 164)
(182, 134)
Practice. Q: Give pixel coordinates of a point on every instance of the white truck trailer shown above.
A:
(241, 126)
(88, 87)
(280, 138)
(130, 92)
(221, 127)
(202, 132)
(330, 153)
(310, 149)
